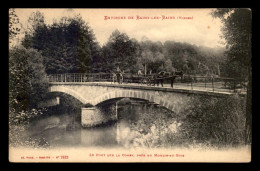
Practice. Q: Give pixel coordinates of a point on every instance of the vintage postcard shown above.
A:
(130, 85)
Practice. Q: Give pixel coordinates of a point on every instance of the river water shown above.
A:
(139, 124)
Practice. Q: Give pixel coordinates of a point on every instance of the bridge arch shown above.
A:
(133, 94)
(94, 95)
(69, 92)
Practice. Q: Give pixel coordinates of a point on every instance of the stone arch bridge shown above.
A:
(95, 93)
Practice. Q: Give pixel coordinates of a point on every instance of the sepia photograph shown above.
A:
(130, 85)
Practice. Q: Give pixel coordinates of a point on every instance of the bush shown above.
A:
(18, 124)
(215, 121)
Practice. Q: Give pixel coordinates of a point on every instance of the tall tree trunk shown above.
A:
(145, 68)
(218, 69)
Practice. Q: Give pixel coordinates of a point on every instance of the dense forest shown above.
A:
(70, 46)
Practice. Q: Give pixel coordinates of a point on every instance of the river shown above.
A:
(139, 124)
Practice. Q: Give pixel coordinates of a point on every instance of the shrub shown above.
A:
(215, 121)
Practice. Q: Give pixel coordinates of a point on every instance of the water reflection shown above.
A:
(137, 125)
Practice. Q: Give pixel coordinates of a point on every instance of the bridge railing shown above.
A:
(212, 83)
(80, 77)
(187, 81)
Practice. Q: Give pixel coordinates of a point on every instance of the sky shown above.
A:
(200, 29)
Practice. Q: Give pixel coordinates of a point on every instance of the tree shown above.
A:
(121, 51)
(190, 58)
(27, 79)
(239, 45)
(35, 20)
(168, 66)
(14, 26)
(237, 26)
(146, 58)
(151, 55)
(67, 46)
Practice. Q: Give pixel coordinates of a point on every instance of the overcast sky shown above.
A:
(202, 29)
